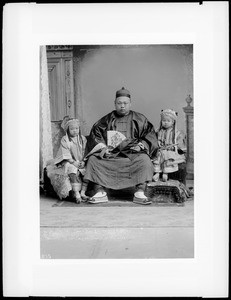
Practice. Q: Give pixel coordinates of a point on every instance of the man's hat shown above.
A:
(123, 92)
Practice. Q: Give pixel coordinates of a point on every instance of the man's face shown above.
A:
(123, 105)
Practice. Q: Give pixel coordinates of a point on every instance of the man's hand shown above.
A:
(136, 148)
(105, 152)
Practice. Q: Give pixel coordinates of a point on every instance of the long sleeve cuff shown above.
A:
(143, 145)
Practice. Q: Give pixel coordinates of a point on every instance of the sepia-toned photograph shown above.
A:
(116, 151)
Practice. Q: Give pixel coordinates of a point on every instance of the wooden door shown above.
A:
(61, 86)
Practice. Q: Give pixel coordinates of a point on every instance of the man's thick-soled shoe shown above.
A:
(99, 197)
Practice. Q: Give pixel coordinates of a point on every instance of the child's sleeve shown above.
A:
(63, 152)
(181, 141)
(84, 142)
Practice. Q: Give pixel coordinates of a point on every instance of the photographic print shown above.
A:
(116, 151)
(114, 116)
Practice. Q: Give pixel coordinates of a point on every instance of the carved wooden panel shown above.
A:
(59, 47)
(69, 87)
(61, 87)
(57, 106)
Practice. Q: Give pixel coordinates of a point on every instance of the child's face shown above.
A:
(73, 130)
(166, 122)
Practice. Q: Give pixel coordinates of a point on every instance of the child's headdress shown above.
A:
(67, 121)
(170, 113)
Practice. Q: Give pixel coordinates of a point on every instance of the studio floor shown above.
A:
(120, 229)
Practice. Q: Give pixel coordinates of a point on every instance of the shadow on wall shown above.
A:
(158, 77)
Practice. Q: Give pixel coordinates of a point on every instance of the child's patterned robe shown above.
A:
(168, 158)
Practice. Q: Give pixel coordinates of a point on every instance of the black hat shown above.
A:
(123, 92)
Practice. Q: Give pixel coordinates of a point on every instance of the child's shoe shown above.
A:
(165, 177)
(156, 177)
(76, 189)
(84, 197)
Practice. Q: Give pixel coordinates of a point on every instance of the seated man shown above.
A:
(128, 163)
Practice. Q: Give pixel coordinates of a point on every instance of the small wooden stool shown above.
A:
(169, 192)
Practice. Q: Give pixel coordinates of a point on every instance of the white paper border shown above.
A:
(26, 27)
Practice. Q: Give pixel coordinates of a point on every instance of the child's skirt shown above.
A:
(167, 161)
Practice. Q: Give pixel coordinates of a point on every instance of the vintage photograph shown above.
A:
(114, 116)
(116, 151)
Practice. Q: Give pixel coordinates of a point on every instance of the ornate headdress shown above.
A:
(67, 121)
(170, 113)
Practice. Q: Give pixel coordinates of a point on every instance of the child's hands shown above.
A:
(77, 163)
(168, 147)
(81, 164)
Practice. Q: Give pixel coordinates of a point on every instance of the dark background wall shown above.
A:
(158, 77)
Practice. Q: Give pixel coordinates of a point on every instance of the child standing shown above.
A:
(172, 147)
(69, 162)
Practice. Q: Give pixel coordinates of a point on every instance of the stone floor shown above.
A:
(121, 229)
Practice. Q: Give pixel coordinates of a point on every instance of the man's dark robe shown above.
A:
(125, 167)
